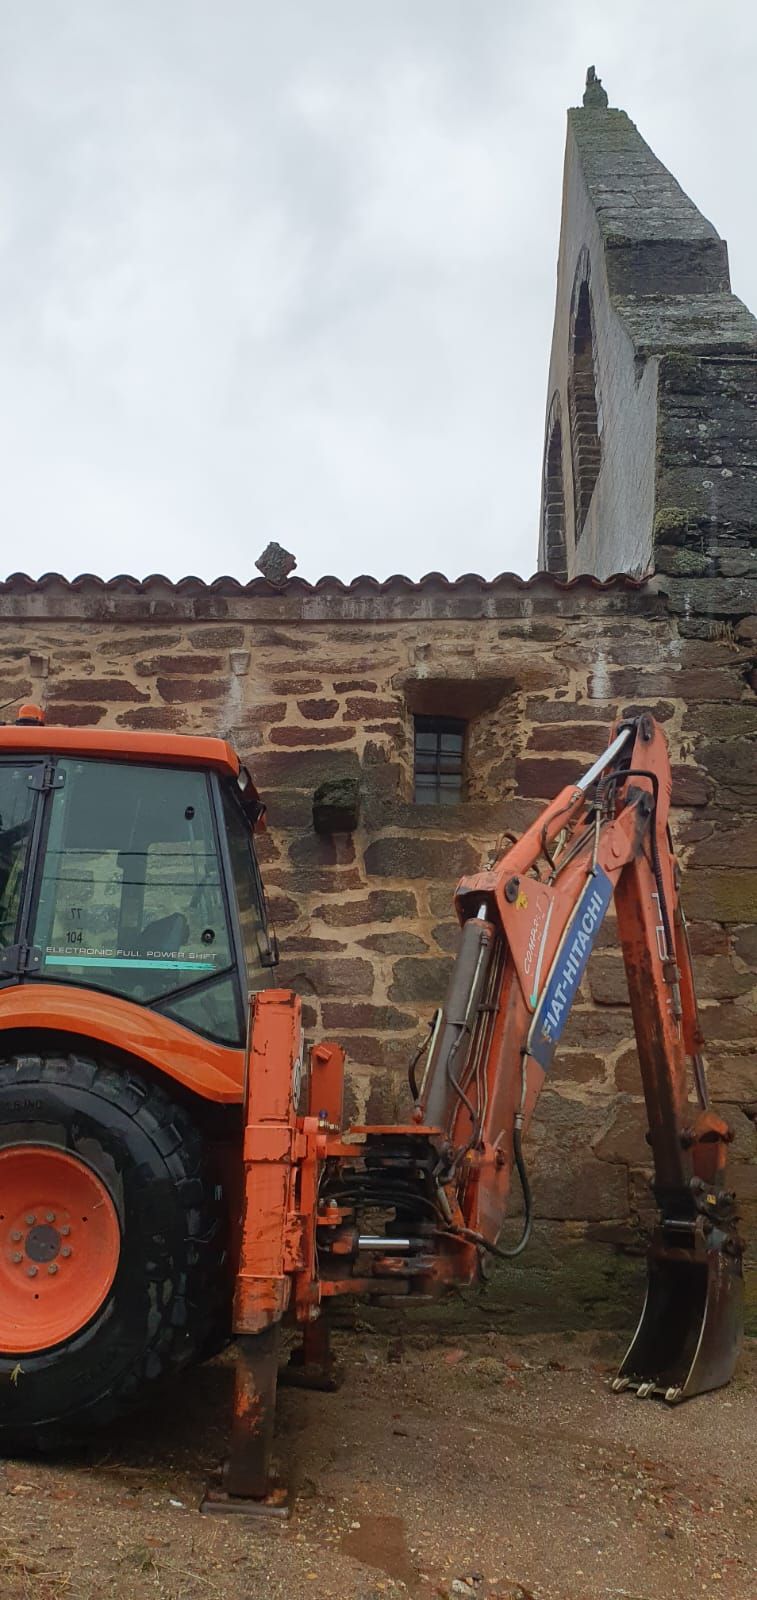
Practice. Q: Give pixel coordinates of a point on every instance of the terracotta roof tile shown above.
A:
(20, 583)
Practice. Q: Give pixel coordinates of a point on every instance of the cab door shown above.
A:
(22, 784)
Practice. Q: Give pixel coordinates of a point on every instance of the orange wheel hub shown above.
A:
(59, 1247)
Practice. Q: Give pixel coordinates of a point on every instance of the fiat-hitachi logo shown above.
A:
(574, 962)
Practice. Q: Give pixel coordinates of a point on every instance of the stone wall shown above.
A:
(313, 684)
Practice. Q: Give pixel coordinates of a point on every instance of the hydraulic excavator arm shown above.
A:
(398, 1212)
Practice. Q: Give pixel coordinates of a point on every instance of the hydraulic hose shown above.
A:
(517, 1249)
(500, 1251)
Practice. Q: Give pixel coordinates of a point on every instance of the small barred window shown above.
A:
(439, 760)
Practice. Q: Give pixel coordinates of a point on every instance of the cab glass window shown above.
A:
(17, 799)
(131, 898)
(248, 887)
(213, 1010)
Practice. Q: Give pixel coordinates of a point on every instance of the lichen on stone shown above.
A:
(682, 562)
(671, 525)
(679, 370)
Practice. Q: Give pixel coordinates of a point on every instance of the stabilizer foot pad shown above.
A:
(301, 1375)
(276, 1505)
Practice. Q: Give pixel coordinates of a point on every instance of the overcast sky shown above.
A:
(285, 268)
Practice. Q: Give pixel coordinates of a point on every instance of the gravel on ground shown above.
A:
(497, 1468)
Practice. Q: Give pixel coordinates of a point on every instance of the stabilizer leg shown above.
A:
(312, 1364)
(248, 1488)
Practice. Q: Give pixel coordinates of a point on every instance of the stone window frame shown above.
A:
(584, 404)
(554, 521)
(465, 699)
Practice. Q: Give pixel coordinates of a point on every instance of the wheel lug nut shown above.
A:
(49, 1216)
(65, 1231)
(30, 1220)
(17, 1256)
(52, 1269)
(31, 1272)
(66, 1250)
(16, 1236)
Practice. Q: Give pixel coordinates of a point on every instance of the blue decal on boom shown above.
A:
(554, 1007)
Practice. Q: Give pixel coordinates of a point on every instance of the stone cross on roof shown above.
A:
(276, 563)
(595, 97)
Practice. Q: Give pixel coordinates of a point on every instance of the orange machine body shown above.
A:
(213, 1071)
(113, 744)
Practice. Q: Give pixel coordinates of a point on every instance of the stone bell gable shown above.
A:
(650, 456)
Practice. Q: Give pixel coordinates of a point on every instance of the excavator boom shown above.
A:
(399, 1212)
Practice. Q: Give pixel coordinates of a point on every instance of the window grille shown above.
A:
(439, 760)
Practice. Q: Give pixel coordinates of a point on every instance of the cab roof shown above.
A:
(110, 744)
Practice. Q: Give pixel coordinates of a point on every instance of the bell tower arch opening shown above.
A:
(583, 398)
(554, 533)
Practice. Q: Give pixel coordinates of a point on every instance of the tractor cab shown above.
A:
(127, 865)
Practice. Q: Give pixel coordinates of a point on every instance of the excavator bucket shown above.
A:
(690, 1331)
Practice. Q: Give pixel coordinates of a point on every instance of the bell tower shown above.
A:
(642, 282)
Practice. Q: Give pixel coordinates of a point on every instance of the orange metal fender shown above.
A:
(214, 1071)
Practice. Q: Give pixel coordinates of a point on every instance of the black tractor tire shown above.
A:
(168, 1295)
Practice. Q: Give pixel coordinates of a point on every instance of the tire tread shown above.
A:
(196, 1307)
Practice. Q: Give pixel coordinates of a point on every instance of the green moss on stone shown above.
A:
(750, 1300)
(565, 1281)
(670, 525)
(681, 562)
(568, 1283)
(680, 371)
(720, 895)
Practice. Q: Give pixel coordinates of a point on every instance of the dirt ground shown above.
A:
(499, 1467)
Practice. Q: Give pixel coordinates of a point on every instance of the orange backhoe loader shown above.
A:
(173, 1168)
